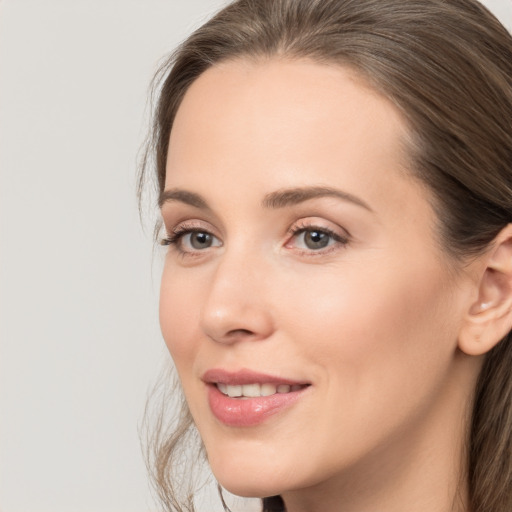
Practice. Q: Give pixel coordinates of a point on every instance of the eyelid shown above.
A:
(175, 235)
(191, 225)
(340, 236)
(311, 223)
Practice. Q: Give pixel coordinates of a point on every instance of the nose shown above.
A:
(237, 304)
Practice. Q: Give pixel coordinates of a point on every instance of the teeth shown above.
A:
(234, 391)
(268, 389)
(255, 390)
(251, 390)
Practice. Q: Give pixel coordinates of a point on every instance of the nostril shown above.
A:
(238, 332)
(238, 335)
(233, 336)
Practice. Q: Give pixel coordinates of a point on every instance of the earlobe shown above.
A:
(489, 318)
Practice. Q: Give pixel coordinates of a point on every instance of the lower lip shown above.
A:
(248, 412)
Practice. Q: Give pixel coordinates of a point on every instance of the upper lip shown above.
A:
(245, 376)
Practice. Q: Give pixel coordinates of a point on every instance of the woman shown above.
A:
(335, 183)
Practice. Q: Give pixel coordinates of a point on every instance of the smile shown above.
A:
(256, 390)
(245, 398)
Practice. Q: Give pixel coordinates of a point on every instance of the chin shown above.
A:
(249, 479)
(250, 486)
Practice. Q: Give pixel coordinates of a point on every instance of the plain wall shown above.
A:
(80, 342)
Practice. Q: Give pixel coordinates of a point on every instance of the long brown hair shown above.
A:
(447, 66)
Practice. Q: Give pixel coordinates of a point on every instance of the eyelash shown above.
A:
(177, 235)
(340, 241)
(179, 232)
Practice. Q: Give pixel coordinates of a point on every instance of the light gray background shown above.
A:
(80, 343)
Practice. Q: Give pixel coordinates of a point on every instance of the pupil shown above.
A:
(200, 240)
(316, 239)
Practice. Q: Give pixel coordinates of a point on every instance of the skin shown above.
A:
(372, 320)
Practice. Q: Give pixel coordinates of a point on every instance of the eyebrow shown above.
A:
(274, 200)
(183, 196)
(292, 196)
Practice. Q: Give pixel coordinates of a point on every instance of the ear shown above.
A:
(489, 318)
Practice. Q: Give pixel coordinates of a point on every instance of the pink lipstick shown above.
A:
(246, 398)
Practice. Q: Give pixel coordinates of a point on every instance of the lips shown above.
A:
(246, 398)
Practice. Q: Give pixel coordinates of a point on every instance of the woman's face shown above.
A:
(304, 273)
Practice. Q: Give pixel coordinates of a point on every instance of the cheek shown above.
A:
(179, 317)
(377, 333)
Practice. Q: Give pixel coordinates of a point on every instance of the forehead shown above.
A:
(249, 128)
(291, 110)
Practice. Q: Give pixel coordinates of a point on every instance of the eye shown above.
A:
(315, 239)
(198, 239)
(190, 240)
